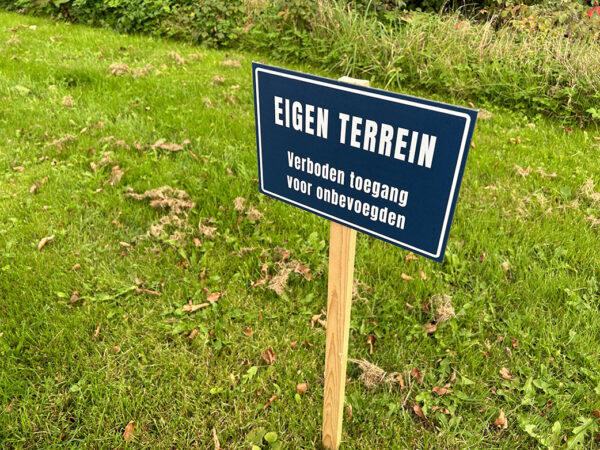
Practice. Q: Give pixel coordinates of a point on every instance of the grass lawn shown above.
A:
(93, 329)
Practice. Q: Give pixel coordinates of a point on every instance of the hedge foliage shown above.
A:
(540, 58)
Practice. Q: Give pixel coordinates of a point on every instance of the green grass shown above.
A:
(60, 385)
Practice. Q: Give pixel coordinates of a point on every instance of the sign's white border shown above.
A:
(380, 97)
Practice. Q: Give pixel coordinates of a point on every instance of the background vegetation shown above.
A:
(540, 57)
(194, 316)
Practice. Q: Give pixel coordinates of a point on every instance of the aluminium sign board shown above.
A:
(385, 164)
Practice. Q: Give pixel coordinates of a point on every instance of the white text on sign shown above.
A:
(381, 138)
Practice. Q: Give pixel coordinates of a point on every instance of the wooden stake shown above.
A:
(342, 246)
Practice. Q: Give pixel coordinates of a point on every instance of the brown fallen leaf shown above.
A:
(501, 422)
(218, 80)
(348, 413)
(76, 267)
(315, 318)
(44, 241)
(9, 408)
(410, 257)
(515, 342)
(74, 299)
(505, 373)
(406, 277)
(422, 275)
(129, 431)
(370, 341)
(452, 379)
(18, 168)
(442, 410)
(213, 298)
(269, 356)
(195, 332)
(441, 390)
(301, 388)
(400, 380)
(125, 244)
(419, 412)
(302, 270)
(248, 332)
(417, 375)
(430, 328)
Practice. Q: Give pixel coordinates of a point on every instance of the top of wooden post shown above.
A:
(357, 81)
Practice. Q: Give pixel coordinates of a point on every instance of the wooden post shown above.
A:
(342, 245)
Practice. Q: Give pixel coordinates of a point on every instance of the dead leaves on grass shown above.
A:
(279, 282)
(251, 213)
(419, 413)
(206, 230)
(211, 300)
(35, 186)
(269, 356)
(13, 40)
(587, 191)
(373, 376)
(501, 422)
(231, 63)
(161, 144)
(441, 305)
(284, 267)
(317, 318)
(505, 374)
(165, 197)
(180, 60)
(68, 101)
(119, 69)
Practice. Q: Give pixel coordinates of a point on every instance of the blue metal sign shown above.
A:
(385, 164)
